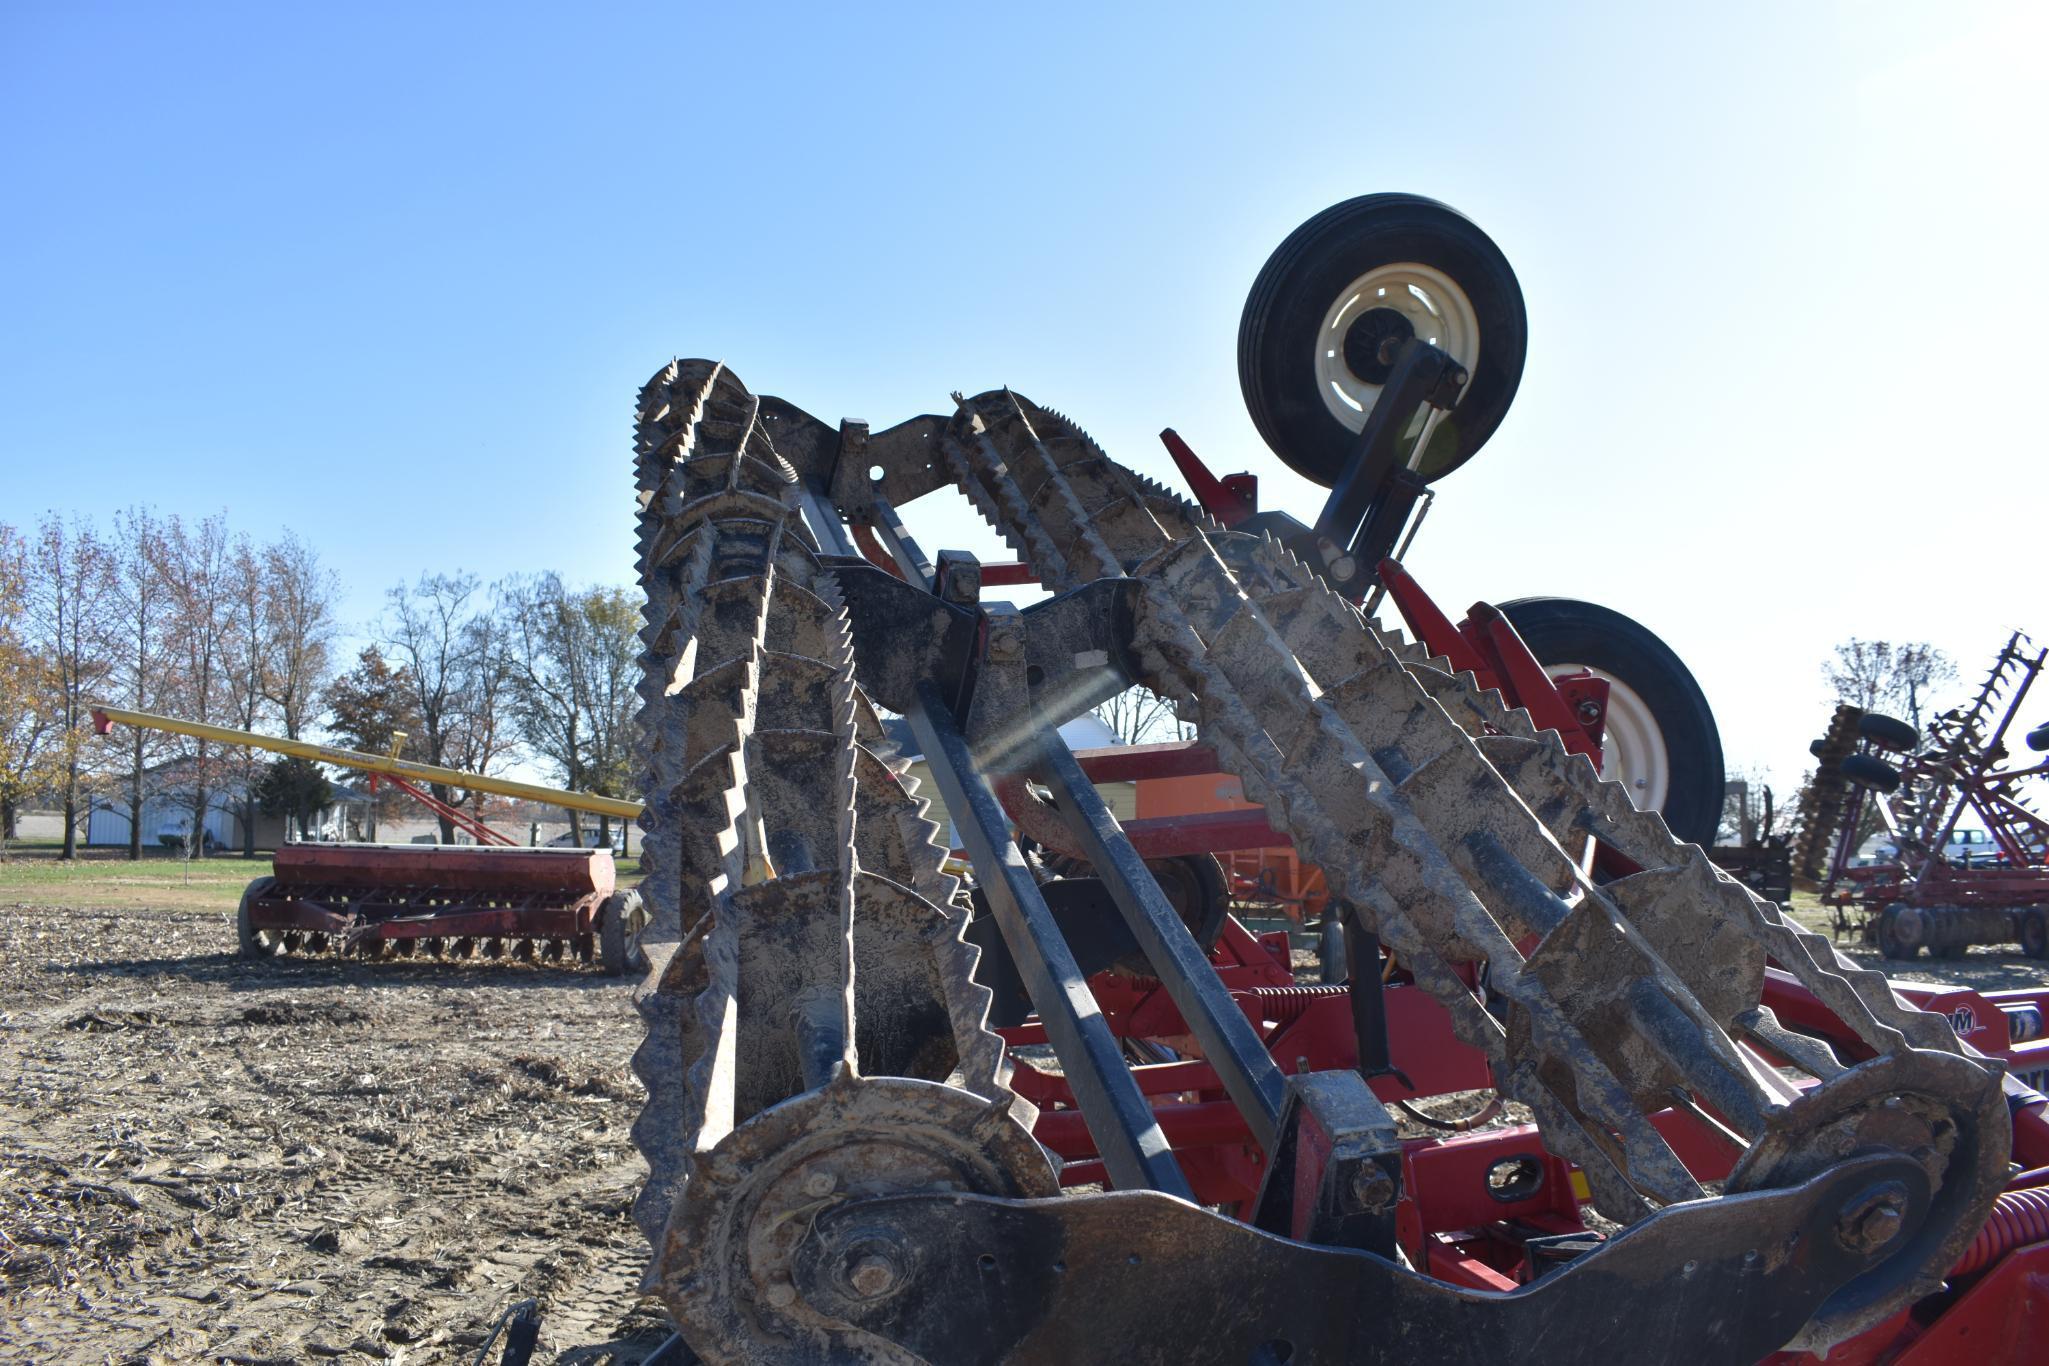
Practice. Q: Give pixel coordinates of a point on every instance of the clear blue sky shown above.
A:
(391, 275)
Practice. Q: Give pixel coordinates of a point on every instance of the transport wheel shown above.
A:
(1888, 731)
(2034, 934)
(1661, 742)
(1196, 887)
(1868, 770)
(619, 928)
(1889, 941)
(1377, 267)
(252, 941)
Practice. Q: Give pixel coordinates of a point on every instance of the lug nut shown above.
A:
(871, 1277)
(817, 1185)
(1372, 1188)
(1874, 1218)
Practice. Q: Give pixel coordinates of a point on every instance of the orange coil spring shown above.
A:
(1284, 1004)
(2018, 1218)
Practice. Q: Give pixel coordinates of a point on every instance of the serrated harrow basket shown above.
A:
(1171, 1151)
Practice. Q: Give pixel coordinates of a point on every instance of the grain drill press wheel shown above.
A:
(252, 942)
(619, 933)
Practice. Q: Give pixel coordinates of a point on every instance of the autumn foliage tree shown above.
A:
(64, 624)
(368, 708)
(30, 715)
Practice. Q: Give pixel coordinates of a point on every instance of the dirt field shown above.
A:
(206, 1158)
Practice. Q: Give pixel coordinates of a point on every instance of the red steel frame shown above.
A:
(359, 892)
(455, 815)
(1454, 1221)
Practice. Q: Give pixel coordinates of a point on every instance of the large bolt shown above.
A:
(1873, 1218)
(819, 1184)
(872, 1276)
(1372, 1188)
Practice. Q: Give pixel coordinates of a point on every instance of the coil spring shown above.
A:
(1285, 1004)
(2018, 1217)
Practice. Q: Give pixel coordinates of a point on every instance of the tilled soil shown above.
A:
(208, 1158)
(204, 1157)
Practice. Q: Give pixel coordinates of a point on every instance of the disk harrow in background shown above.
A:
(1821, 801)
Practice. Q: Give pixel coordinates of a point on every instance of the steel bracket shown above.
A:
(1138, 1276)
(1337, 1168)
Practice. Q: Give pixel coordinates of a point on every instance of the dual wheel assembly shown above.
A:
(1315, 358)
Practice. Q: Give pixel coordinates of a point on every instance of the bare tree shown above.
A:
(197, 564)
(299, 598)
(1141, 716)
(570, 670)
(486, 735)
(248, 654)
(138, 603)
(441, 631)
(1878, 675)
(65, 623)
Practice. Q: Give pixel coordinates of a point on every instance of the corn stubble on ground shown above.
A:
(204, 1158)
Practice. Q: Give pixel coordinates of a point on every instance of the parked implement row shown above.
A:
(846, 1164)
(489, 900)
(1920, 895)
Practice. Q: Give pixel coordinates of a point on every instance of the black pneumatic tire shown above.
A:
(619, 933)
(1199, 893)
(1889, 943)
(1306, 277)
(1868, 770)
(1562, 631)
(2034, 932)
(1888, 731)
(247, 940)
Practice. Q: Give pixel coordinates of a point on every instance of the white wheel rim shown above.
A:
(1432, 302)
(1633, 749)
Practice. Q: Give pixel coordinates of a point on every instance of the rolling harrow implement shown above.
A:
(846, 1164)
(1925, 892)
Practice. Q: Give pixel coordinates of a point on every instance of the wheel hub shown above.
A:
(1376, 306)
(1366, 337)
(728, 1251)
